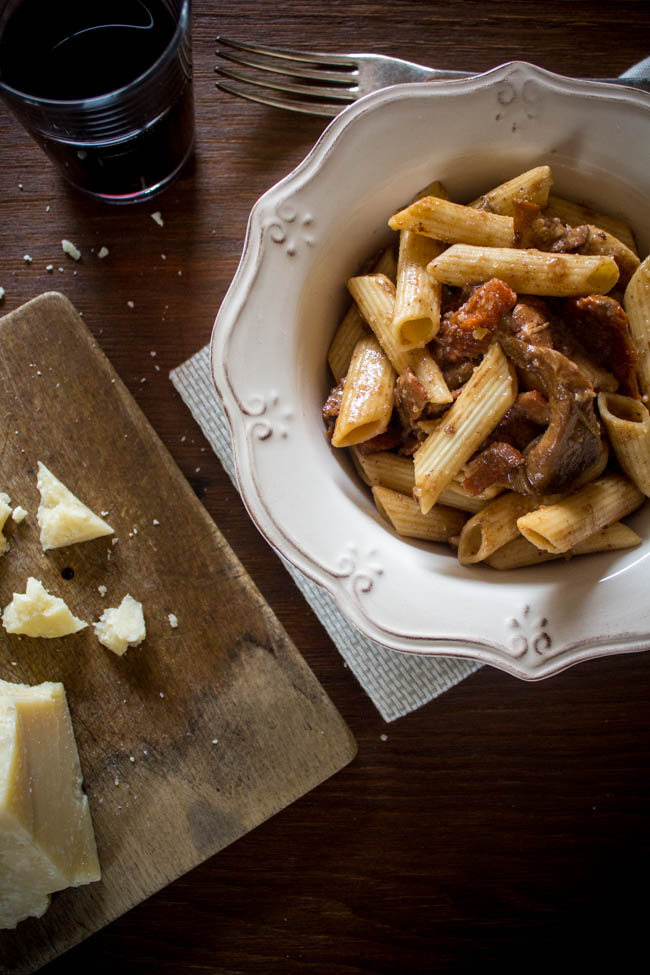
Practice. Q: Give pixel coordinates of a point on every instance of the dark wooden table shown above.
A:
(505, 823)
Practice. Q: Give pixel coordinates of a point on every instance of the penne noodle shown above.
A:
(627, 422)
(484, 399)
(520, 553)
(375, 297)
(637, 305)
(353, 327)
(416, 318)
(493, 526)
(367, 402)
(577, 215)
(351, 330)
(558, 527)
(440, 524)
(532, 186)
(386, 469)
(436, 188)
(529, 271)
(387, 265)
(456, 496)
(602, 242)
(454, 223)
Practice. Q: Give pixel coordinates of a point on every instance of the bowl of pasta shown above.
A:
(434, 359)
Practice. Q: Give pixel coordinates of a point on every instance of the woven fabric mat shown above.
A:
(396, 683)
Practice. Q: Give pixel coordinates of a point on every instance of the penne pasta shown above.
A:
(520, 553)
(636, 302)
(493, 526)
(627, 422)
(482, 403)
(602, 242)
(533, 186)
(353, 327)
(528, 271)
(479, 342)
(454, 223)
(375, 297)
(577, 215)
(558, 527)
(351, 330)
(367, 402)
(416, 317)
(440, 524)
(388, 470)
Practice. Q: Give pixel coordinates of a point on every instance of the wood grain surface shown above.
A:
(195, 737)
(505, 824)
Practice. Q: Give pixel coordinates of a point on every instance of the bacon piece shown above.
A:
(533, 229)
(521, 424)
(485, 306)
(572, 440)
(410, 398)
(332, 404)
(530, 322)
(467, 332)
(457, 375)
(383, 441)
(491, 466)
(602, 327)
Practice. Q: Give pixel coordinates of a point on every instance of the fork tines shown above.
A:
(320, 84)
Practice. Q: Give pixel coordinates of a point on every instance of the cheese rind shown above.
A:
(46, 835)
(62, 517)
(122, 626)
(38, 613)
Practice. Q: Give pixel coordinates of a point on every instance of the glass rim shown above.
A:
(97, 101)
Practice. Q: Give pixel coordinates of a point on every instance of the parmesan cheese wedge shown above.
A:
(63, 518)
(47, 840)
(5, 511)
(122, 626)
(38, 613)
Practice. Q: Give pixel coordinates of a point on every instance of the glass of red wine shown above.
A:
(104, 87)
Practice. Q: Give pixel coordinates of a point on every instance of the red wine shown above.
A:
(68, 51)
(82, 48)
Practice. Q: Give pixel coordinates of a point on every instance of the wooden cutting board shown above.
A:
(204, 731)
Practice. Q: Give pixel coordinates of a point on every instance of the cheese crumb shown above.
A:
(27, 259)
(131, 304)
(102, 591)
(49, 268)
(103, 252)
(155, 522)
(38, 613)
(2, 293)
(19, 514)
(121, 627)
(70, 249)
(157, 216)
(173, 620)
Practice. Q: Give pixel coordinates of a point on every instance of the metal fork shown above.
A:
(323, 84)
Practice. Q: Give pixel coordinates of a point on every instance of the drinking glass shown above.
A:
(122, 144)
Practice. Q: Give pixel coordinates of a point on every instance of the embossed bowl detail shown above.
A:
(305, 237)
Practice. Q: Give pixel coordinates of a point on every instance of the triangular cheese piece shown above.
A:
(63, 518)
(38, 613)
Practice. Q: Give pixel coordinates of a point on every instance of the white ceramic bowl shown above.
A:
(305, 237)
